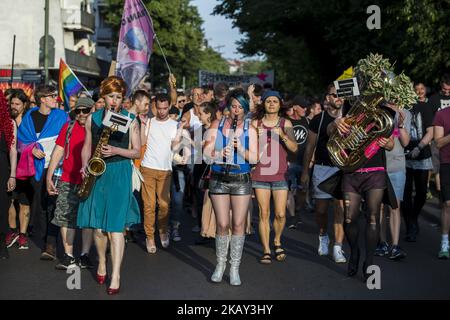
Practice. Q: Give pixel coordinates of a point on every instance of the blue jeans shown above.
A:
(177, 195)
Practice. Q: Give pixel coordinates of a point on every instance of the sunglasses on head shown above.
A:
(82, 110)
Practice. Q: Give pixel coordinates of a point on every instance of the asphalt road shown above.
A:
(183, 271)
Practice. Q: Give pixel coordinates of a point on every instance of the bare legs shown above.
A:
(280, 200)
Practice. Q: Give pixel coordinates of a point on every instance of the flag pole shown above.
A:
(12, 63)
(156, 37)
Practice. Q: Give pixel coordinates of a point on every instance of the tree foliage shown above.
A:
(178, 28)
(310, 42)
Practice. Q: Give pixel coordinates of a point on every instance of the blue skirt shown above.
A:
(111, 205)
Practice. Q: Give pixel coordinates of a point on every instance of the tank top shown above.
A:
(271, 167)
(222, 140)
(117, 139)
(195, 122)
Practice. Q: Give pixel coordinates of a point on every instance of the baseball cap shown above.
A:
(300, 101)
(84, 102)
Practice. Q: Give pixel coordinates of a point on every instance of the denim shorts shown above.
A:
(293, 176)
(275, 185)
(398, 180)
(320, 174)
(217, 185)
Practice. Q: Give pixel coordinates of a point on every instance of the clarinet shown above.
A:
(233, 127)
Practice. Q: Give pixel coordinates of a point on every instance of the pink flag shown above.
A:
(135, 44)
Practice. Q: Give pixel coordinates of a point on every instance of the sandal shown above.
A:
(266, 259)
(280, 253)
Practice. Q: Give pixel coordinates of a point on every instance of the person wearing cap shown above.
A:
(299, 105)
(297, 195)
(67, 155)
(276, 139)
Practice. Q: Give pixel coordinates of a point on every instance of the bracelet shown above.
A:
(12, 177)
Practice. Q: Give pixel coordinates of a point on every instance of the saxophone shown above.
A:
(368, 122)
(96, 165)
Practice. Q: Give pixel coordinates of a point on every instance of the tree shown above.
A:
(178, 28)
(310, 42)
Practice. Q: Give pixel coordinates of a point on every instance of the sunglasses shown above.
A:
(181, 101)
(53, 95)
(334, 95)
(82, 110)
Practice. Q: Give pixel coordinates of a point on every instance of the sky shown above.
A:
(218, 30)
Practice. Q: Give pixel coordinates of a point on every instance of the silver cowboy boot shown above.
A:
(236, 248)
(221, 253)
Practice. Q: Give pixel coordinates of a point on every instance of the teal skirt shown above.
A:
(111, 205)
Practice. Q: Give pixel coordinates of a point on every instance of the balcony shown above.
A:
(82, 63)
(78, 20)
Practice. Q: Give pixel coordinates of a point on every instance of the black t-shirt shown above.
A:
(422, 118)
(322, 156)
(378, 160)
(39, 120)
(438, 102)
(301, 134)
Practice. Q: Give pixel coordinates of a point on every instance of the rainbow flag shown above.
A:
(68, 83)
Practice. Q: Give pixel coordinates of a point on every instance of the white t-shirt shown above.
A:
(158, 154)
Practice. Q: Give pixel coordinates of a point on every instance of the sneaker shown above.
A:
(292, 226)
(397, 253)
(66, 262)
(196, 229)
(85, 262)
(324, 242)
(291, 223)
(49, 253)
(176, 235)
(22, 242)
(338, 255)
(382, 249)
(444, 254)
(165, 240)
(11, 238)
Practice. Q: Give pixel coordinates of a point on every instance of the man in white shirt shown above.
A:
(161, 138)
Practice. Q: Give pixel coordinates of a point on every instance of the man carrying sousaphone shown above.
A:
(368, 178)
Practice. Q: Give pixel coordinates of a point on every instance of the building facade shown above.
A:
(72, 37)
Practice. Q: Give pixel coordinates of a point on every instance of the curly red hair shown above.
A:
(113, 84)
(6, 125)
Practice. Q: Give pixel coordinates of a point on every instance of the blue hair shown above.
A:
(244, 102)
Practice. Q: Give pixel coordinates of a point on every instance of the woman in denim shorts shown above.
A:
(232, 145)
(276, 138)
(396, 169)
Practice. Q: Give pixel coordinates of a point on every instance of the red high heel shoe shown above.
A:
(112, 291)
(101, 279)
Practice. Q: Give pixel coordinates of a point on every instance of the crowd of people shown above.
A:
(227, 152)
